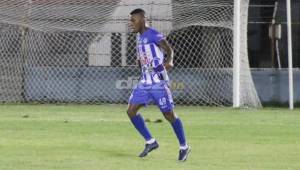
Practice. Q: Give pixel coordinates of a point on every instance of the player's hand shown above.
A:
(169, 65)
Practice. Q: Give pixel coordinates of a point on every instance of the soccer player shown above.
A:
(153, 86)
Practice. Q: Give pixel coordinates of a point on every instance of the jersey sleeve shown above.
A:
(157, 37)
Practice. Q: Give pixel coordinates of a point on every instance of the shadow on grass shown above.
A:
(117, 153)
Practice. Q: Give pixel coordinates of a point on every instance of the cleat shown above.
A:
(148, 149)
(183, 154)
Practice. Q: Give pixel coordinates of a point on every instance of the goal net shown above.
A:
(83, 50)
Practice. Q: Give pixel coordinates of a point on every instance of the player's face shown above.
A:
(136, 22)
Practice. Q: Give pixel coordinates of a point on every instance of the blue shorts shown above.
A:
(159, 93)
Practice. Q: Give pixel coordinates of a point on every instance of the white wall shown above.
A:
(159, 14)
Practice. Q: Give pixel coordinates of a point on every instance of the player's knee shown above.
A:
(131, 112)
(170, 116)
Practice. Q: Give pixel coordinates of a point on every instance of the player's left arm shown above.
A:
(163, 44)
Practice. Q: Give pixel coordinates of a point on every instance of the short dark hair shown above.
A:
(137, 11)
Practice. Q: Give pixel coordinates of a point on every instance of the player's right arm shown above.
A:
(170, 54)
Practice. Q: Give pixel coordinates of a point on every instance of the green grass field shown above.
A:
(101, 137)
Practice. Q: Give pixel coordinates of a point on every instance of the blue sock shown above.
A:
(140, 125)
(178, 129)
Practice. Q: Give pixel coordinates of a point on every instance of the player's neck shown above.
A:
(143, 30)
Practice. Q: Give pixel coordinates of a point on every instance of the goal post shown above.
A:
(244, 92)
(290, 54)
(236, 53)
(83, 51)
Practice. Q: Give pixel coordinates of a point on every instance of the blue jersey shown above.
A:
(151, 57)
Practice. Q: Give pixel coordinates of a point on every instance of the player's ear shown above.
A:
(144, 18)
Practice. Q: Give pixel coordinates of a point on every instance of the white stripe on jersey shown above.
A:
(148, 63)
(159, 54)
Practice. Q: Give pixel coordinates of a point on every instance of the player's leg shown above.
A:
(177, 126)
(139, 98)
(163, 99)
(138, 121)
(176, 123)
